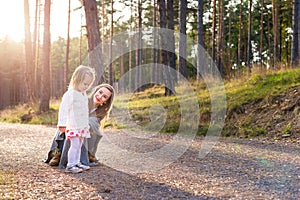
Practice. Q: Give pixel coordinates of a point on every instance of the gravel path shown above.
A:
(234, 169)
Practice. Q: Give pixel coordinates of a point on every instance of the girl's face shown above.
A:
(85, 84)
(101, 96)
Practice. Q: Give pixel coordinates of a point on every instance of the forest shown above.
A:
(218, 38)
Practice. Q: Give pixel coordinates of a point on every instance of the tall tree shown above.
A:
(200, 37)
(295, 57)
(154, 52)
(275, 32)
(162, 24)
(29, 56)
(261, 34)
(67, 47)
(170, 17)
(249, 36)
(110, 70)
(269, 33)
(139, 52)
(182, 38)
(37, 51)
(45, 89)
(130, 47)
(239, 38)
(102, 22)
(214, 22)
(34, 46)
(171, 54)
(229, 64)
(221, 37)
(94, 41)
(167, 77)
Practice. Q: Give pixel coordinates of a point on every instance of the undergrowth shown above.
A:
(151, 110)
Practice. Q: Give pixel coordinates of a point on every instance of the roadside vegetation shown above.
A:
(140, 104)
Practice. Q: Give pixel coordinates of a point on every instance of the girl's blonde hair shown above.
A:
(79, 75)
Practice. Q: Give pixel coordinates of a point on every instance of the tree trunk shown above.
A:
(275, 32)
(163, 40)
(170, 89)
(221, 38)
(269, 35)
(45, 89)
(249, 36)
(28, 53)
(154, 48)
(37, 72)
(102, 23)
(122, 65)
(261, 34)
(214, 22)
(110, 76)
(34, 47)
(295, 56)
(200, 39)
(130, 49)
(140, 44)
(182, 38)
(229, 64)
(239, 39)
(94, 41)
(138, 51)
(66, 72)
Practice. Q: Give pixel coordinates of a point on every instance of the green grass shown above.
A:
(152, 103)
(28, 114)
(238, 93)
(260, 86)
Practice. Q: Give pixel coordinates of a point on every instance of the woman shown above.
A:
(100, 104)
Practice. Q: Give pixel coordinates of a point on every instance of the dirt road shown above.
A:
(234, 169)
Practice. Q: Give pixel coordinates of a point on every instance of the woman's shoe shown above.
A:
(55, 160)
(92, 158)
(73, 169)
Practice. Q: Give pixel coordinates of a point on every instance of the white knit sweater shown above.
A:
(73, 110)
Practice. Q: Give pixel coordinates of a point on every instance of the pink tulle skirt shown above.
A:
(78, 133)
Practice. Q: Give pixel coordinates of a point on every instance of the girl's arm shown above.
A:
(64, 109)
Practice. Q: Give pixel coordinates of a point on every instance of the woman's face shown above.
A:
(101, 96)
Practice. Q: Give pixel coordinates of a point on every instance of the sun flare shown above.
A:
(12, 19)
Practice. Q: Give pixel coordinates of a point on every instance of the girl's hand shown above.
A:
(62, 128)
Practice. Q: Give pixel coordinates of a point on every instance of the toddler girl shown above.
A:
(73, 115)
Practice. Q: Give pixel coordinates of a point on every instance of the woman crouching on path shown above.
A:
(100, 103)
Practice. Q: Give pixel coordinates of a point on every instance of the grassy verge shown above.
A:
(28, 114)
(152, 104)
(238, 93)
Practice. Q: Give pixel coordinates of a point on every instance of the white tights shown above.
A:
(74, 151)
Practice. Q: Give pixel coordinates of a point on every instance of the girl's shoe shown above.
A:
(83, 167)
(73, 169)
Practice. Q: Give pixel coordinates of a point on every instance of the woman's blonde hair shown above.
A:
(79, 75)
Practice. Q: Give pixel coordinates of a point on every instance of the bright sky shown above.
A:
(12, 18)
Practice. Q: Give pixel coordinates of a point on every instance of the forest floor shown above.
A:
(233, 169)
